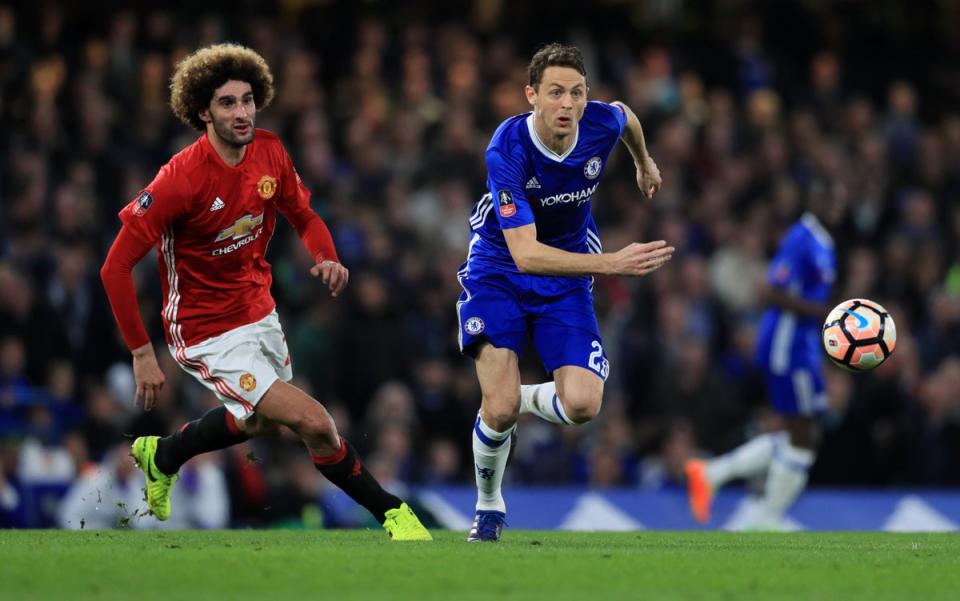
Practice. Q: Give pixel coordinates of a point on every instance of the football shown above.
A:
(859, 334)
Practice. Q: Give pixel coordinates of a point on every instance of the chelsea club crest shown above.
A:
(473, 325)
(592, 169)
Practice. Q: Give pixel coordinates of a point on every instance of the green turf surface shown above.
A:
(342, 565)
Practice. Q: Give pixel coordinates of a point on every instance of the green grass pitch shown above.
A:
(270, 565)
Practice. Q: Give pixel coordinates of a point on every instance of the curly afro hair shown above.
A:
(198, 75)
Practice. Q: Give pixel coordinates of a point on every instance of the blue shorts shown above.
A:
(503, 308)
(799, 392)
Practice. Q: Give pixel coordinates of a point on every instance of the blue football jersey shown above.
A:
(805, 265)
(529, 183)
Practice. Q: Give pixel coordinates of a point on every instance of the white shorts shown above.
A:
(240, 365)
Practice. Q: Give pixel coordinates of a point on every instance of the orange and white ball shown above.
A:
(859, 334)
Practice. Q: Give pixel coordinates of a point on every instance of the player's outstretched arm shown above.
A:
(116, 274)
(648, 174)
(641, 258)
(532, 256)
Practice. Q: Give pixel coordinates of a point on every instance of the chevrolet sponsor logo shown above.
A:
(240, 228)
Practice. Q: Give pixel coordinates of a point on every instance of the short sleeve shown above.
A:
(620, 117)
(505, 180)
(156, 208)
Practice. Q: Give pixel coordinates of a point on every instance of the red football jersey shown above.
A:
(212, 223)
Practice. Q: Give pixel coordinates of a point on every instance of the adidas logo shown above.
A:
(217, 205)
(533, 183)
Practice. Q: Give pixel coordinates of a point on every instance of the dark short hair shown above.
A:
(554, 55)
(200, 74)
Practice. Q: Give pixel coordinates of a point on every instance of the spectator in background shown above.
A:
(29, 319)
(442, 464)
(110, 495)
(11, 499)
(935, 423)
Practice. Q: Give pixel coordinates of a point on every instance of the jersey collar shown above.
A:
(216, 158)
(544, 150)
(819, 232)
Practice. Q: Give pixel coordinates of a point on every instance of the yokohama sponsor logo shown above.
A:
(579, 197)
(236, 245)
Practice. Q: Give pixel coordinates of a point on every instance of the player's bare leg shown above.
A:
(573, 397)
(257, 426)
(336, 458)
(580, 391)
(498, 372)
(288, 405)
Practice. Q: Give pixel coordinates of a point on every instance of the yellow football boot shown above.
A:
(159, 485)
(402, 525)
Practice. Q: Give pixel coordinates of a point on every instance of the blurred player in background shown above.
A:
(789, 352)
(532, 255)
(212, 210)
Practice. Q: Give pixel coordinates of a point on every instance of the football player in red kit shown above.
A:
(211, 211)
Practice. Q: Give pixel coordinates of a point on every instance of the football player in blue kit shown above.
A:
(533, 251)
(789, 354)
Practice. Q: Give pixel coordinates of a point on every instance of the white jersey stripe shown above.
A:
(163, 252)
(481, 212)
(480, 204)
(483, 217)
(803, 390)
(782, 343)
(166, 248)
(173, 296)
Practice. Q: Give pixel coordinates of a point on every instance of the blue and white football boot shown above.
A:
(487, 526)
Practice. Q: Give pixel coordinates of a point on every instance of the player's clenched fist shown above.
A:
(648, 177)
(332, 274)
(640, 258)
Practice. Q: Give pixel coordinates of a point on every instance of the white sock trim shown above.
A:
(794, 458)
(558, 409)
(489, 436)
(542, 400)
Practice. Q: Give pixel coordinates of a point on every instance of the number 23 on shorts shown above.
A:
(597, 362)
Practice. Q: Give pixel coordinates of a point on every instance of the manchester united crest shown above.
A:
(248, 382)
(267, 187)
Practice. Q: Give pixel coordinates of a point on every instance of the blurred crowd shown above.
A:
(387, 111)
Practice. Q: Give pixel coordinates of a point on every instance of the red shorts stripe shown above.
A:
(207, 375)
(218, 383)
